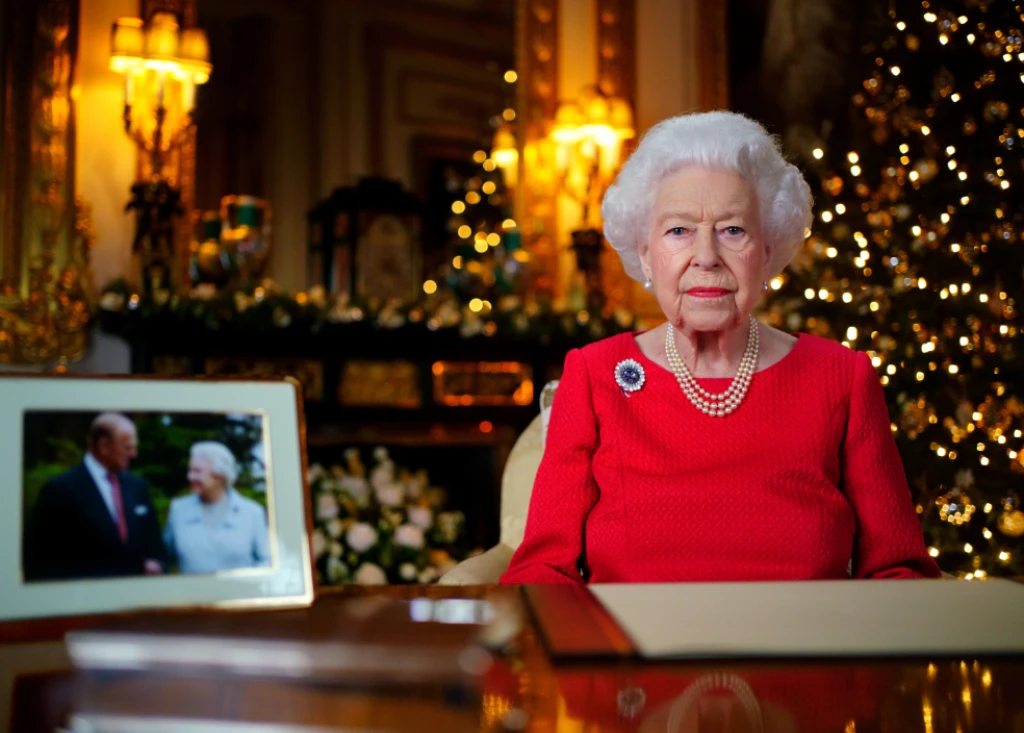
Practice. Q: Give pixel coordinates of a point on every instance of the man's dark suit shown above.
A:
(71, 533)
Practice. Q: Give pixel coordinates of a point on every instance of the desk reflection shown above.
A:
(897, 696)
(526, 691)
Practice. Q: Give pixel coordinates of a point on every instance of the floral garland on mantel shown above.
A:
(124, 311)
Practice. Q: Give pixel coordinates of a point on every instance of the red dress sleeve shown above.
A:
(889, 542)
(564, 491)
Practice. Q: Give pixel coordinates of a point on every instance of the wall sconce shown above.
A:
(589, 133)
(162, 64)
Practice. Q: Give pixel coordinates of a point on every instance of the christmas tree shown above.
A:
(916, 258)
(487, 261)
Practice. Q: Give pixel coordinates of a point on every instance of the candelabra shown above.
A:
(589, 134)
(162, 65)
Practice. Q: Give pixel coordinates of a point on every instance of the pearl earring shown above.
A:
(648, 285)
(764, 287)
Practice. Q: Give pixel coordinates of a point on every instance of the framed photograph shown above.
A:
(130, 493)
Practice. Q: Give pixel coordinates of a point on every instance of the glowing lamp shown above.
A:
(569, 119)
(127, 44)
(162, 43)
(505, 153)
(194, 52)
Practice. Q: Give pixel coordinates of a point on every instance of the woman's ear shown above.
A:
(644, 250)
(769, 257)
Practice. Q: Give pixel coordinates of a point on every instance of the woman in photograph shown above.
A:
(215, 528)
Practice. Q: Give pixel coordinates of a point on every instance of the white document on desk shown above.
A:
(847, 618)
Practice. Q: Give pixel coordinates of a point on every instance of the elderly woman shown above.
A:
(215, 528)
(715, 448)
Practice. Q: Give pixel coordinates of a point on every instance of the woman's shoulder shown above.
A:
(246, 504)
(184, 503)
(612, 348)
(830, 360)
(596, 356)
(829, 350)
(583, 365)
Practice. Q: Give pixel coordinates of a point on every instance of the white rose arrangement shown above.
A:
(382, 525)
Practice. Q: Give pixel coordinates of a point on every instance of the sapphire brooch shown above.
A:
(629, 375)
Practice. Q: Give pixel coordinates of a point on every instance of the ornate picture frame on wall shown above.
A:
(45, 233)
(140, 492)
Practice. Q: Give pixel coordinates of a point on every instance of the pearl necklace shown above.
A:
(715, 405)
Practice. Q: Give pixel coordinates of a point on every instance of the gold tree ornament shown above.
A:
(955, 507)
(1011, 523)
(913, 418)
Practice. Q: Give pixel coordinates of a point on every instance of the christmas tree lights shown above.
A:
(916, 257)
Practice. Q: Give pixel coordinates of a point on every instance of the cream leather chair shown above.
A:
(516, 488)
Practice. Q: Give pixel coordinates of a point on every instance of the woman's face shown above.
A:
(203, 482)
(705, 253)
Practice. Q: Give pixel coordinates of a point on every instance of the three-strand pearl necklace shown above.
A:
(715, 405)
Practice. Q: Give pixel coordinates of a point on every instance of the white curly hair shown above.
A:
(725, 140)
(221, 459)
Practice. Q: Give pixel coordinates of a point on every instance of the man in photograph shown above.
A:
(97, 519)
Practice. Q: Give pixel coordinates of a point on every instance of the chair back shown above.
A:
(521, 470)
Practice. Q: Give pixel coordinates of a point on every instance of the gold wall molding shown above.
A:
(46, 233)
(616, 77)
(537, 65)
(616, 49)
(713, 54)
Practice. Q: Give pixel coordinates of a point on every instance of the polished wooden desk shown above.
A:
(526, 691)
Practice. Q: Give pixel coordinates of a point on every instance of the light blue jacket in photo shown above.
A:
(241, 540)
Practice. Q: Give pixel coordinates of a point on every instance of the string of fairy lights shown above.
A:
(927, 248)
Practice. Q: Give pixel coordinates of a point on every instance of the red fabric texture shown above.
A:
(801, 481)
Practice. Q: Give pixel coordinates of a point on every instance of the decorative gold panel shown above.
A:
(537, 64)
(714, 66)
(380, 384)
(45, 233)
(309, 372)
(616, 77)
(616, 49)
(492, 384)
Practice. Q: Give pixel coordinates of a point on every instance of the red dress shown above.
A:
(803, 481)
